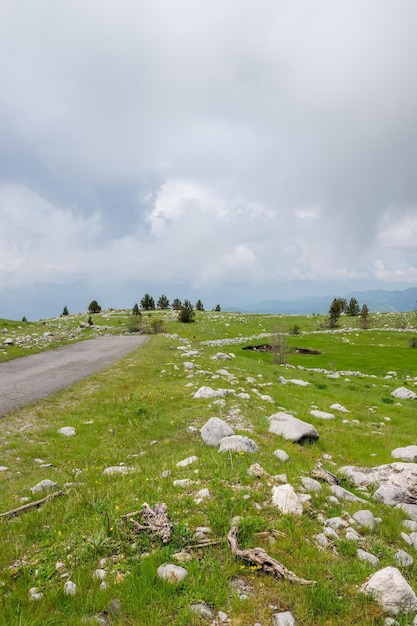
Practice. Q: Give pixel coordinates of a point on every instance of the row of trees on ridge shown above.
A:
(352, 308)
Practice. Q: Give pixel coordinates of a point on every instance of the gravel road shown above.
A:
(39, 375)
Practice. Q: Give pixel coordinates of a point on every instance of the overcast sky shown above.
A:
(230, 149)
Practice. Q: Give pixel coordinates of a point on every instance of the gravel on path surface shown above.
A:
(37, 376)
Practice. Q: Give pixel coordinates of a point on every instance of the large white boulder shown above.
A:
(391, 591)
(291, 428)
(214, 430)
(285, 498)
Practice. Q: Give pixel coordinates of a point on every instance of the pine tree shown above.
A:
(147, 302)
(186, 314)
(217, 308)
(136, 310)
(353, 307)
(199, 306)
(65, 311)
(176, 305)
(163, 302)
(334, 312)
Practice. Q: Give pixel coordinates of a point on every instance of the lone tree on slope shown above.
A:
(94, 307)
(199, 306)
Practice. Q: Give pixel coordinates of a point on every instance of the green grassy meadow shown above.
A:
(140, 412)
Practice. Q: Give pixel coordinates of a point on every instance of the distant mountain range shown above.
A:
(377, 300)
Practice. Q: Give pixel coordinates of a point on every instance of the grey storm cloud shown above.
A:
(274, 141)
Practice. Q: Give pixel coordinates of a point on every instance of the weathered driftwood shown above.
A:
(156, 520)
(258, 556)
(321, 474)
(31, 505)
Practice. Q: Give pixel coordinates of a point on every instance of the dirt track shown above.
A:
(39, 375)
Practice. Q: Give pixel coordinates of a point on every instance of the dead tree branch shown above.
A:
(31, 505)
(258, 556)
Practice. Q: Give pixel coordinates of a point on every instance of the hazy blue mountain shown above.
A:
(377, 300)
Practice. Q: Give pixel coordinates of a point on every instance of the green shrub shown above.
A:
(134, 324)
(186, 314)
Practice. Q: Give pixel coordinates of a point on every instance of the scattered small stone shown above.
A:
(256, 471)
(283, 619)
(337, 523)
(339, 407)
(352, 535)
(100, 574)
(44, 485)
(171, 573)
(183, 557)
(184, 482)
(310, 484)
(188, 461)
(403, 559)
(280, 478)
(322, 414)
(202, 610)
(365, 519)
(238, 443)
(67, 431)
(118, 469)
(70, 588)
(369, 558)
(343, 494)
(115, 607)
(281, 455)
(3, 468)
(35, 594)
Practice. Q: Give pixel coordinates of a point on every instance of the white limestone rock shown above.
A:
(67, 431)
(283, 619)
(214, 430)
(409, 453)
(118, 469)
(402, 393)
(171, 573)
(403, 559)
(287, 501)
(291, 428)
(188, 461)
(396, 483)
(44, 485)
(311, 484)
(365, 519)
(339, 407)
(367, 557)
(206, 392)
(238, 443)
(322, 414)
(281, 455)
(391, 591)
(343, 494)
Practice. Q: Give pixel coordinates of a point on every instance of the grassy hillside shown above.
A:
(141, 413)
